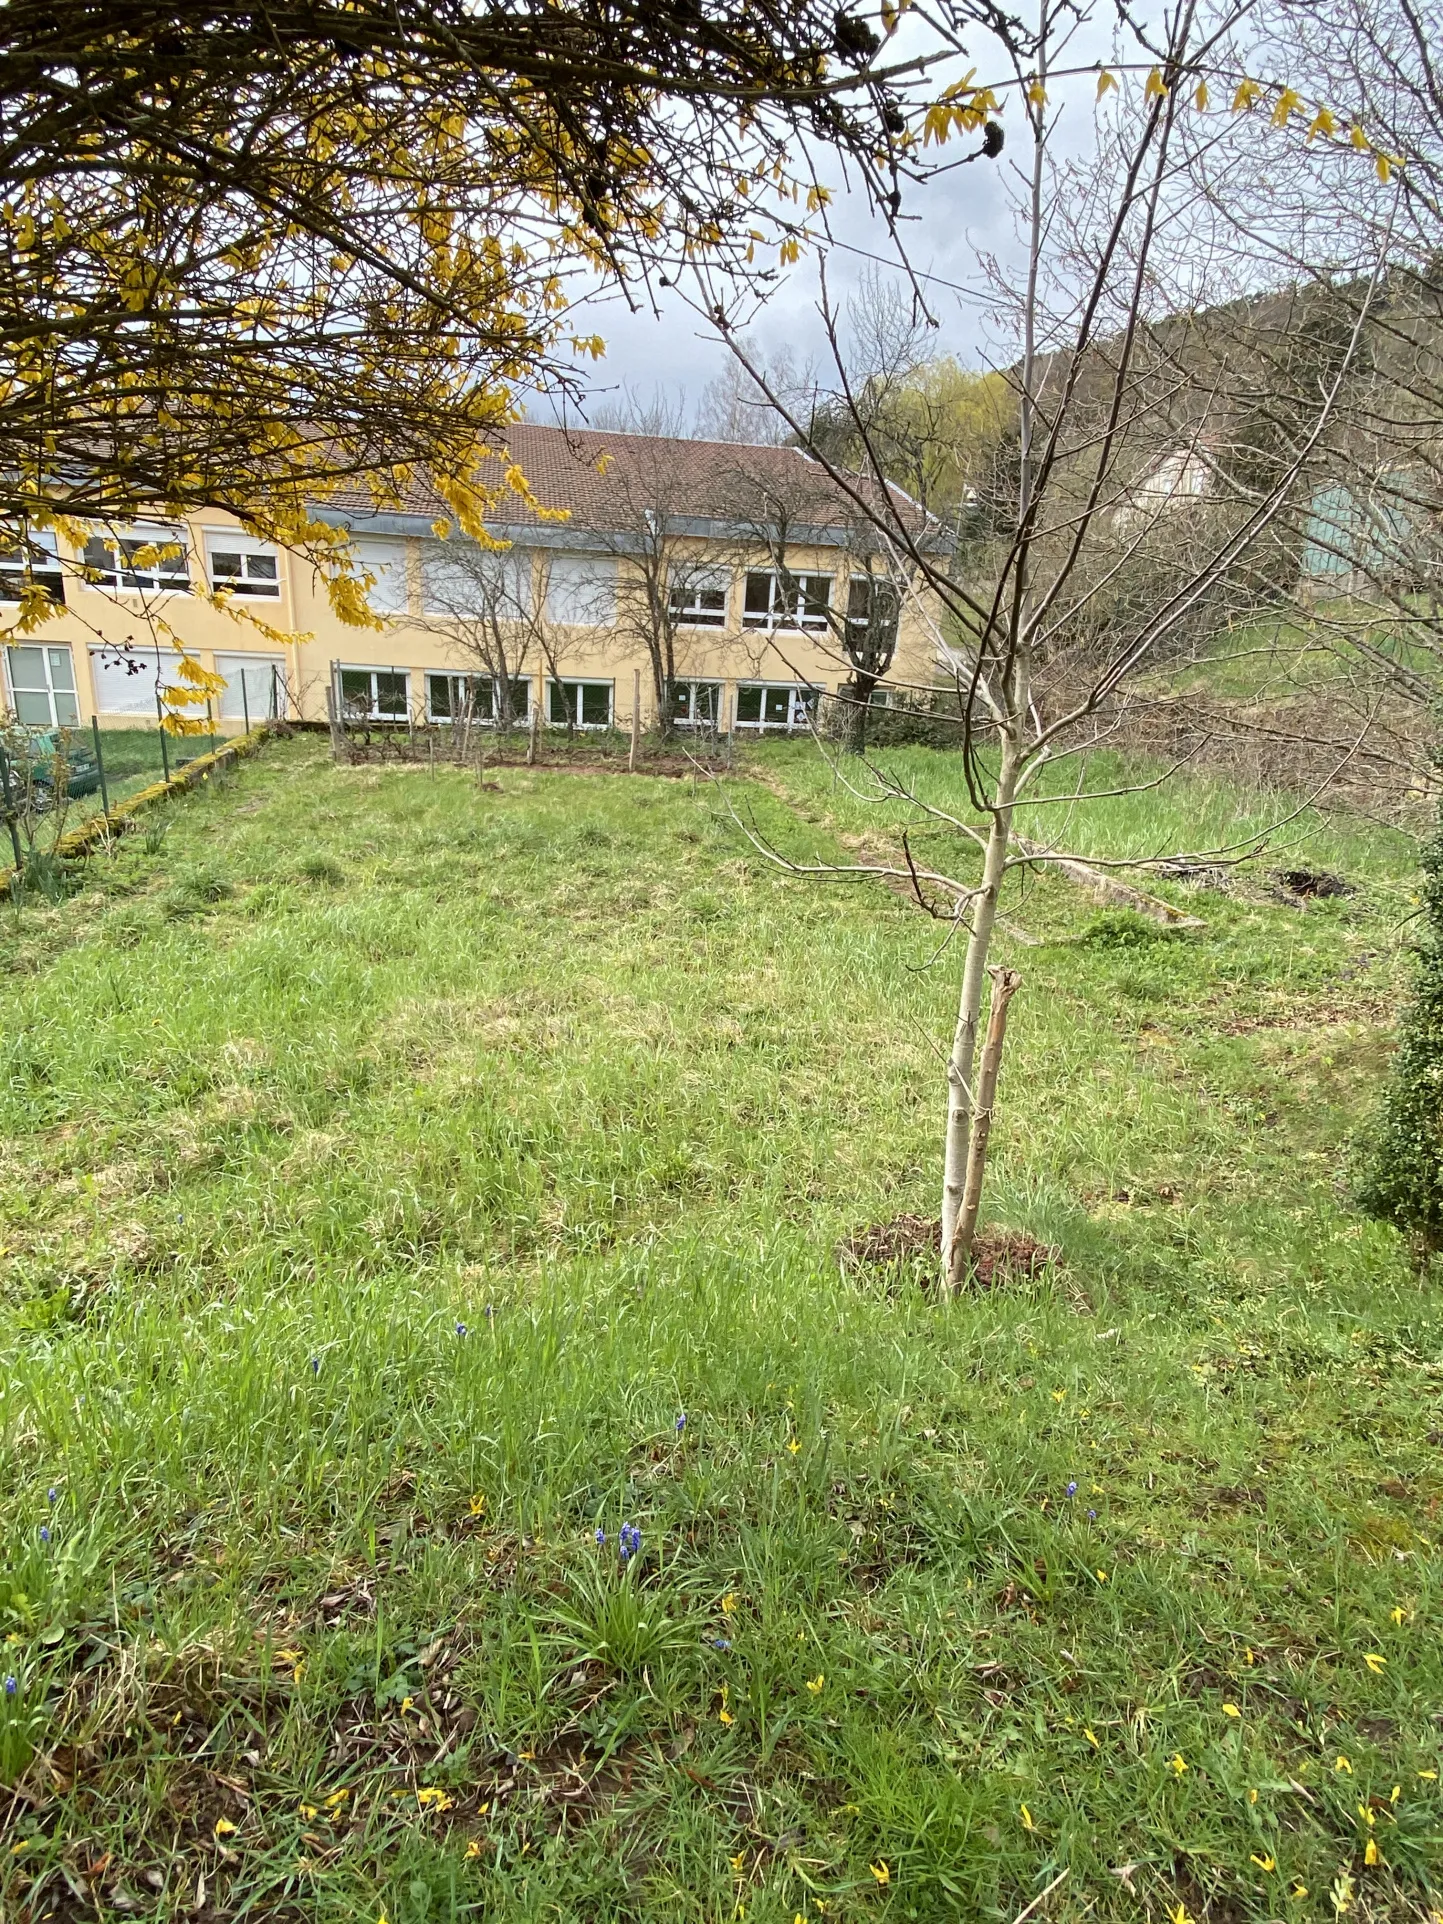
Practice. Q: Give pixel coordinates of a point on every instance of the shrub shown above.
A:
(1402, 1180)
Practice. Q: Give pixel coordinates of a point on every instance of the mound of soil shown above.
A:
(915, 1242)
(1313, 883)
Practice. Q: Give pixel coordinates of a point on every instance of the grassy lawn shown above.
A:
(406, 1186)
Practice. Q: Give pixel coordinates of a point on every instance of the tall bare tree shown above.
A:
(1105, 543)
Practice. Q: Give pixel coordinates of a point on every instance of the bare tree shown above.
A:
(1101, 550)
(786, 515)
(487, 604)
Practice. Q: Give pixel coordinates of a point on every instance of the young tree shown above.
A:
(1103, 546)
(487, 605)
(785, 514)
(670, 584)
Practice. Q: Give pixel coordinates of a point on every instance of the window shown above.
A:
(448, 698)
(463, 580)
(243, 566)
(581, 591)
(375, 694)
(775, 705)
(873, 607)
(161, 551)
(799, 601)
(32, 563)
(585, 704)
(255, 687)
(386, 560)
(700, 600)
(42, 687)
(127, 680)
(696, 704)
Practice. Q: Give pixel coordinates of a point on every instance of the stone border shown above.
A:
(99, 828)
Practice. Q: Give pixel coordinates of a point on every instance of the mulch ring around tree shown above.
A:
(911, 1246)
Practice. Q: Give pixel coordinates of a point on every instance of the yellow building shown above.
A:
(735, 577)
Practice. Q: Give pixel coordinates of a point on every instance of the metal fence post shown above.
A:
(100, 764)
(245, 703)
(635, 719)
(164, 745)
(10, 810)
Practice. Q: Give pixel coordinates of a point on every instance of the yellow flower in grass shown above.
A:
(224, 1827)
(1231, 1710)
(1342, 1763)
(881, 1871)
(729, 1603)
(1376, 1663)
(1267, 1863)
(1178, 1764)
(1370, 1852)
(814, 1684)
(1027, 1823)
(794, 1446)
(1091, 1736)
(430, 1799)
(1180, 1914)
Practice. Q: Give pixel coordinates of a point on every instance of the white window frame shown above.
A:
(171, 575)
(157, 668)
(46, 651)
(229, 541)
(33, 562)
(387, 559)
(374, 713)
(596, 599)
(270, 703)
(693, 684)
(581, 682)
(684, 588)
(511, 594)
(777, 613)
(520, 687)
(803, 698)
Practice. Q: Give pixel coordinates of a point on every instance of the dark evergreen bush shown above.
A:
(1403, 1170)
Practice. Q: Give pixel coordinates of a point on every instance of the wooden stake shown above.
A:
(535, 732)
(635, 719)
(1005, 984)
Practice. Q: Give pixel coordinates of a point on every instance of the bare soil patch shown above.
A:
(912, 1244)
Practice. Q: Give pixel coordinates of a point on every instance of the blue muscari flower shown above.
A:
(52, 1496)
(11, 1686)
(630, 1540)
(681, 1423)
(600, 1535)
(315, 1366)
(720, 1643)
(460, 1329)
(1072, 1487)
(44, 1534)
(1092, 1516)
(490, 1311)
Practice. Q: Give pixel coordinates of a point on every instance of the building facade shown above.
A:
(728, 579)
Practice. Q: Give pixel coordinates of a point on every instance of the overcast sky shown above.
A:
(946, 224)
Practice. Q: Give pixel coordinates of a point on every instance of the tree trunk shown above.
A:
(858, 699)
(960, 1101)
(1005, 984)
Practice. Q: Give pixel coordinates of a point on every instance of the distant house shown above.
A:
(753, 563)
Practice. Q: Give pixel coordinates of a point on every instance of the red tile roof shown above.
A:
(603, 478)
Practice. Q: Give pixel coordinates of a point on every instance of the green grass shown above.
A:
(389, 1165)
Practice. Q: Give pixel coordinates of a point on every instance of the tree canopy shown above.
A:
(251, 252)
